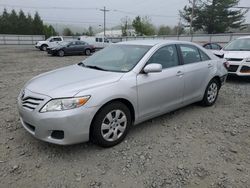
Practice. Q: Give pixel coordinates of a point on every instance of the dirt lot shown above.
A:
(191, 147)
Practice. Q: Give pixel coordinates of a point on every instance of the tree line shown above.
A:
(19, 23)
(209, 16)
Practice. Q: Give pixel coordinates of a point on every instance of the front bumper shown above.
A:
(74, 124)
(239, 68)
(52, 52)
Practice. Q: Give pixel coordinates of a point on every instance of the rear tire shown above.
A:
(44, 47)
(111, 124)
(211, 93)
(60, 53)
(87, 52)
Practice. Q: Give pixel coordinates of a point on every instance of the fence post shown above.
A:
(210, 38)
(4, 40)
(32, 38)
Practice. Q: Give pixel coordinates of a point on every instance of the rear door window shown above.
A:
(204, 57)
(190, 54)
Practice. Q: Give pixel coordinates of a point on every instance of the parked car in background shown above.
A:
(71, 48)
(99, 42)
(123, 84)
(50, 42)
(212, 46)
(237, 53)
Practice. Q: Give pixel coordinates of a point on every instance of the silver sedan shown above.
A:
(122, 85)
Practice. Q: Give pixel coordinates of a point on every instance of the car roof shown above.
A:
(147, 42)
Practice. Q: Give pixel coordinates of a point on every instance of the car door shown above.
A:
(81, 46)
(163, 91)
(72, 48)
(198, 69)
(54, 41)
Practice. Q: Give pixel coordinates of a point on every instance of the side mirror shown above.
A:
(154, 67)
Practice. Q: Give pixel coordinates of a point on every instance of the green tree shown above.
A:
(67, 32)
(37, 27)
(90, 31)
(178, 30)
(29, 25)
(48, 31)
(22, 25)
(5, 26)
(164, 30)
(214, 16)
(143, 26)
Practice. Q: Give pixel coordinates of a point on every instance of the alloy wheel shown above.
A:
(212, 92)
(113, 125)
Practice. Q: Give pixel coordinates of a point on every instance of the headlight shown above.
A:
(64, 104)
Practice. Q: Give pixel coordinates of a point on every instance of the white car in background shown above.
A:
(237, 53)
(50, 42)
(98, 42)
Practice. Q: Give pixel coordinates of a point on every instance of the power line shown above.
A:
(76, 22)
(152, 15)
(81, 8)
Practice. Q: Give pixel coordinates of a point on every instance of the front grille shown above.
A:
(245, 69)
(31, 102)
(234, 59)
(233, 68)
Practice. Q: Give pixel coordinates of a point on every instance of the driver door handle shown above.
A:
(179, 73)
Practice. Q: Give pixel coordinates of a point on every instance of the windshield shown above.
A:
(238, 45)
(48, 39)
(117, 58)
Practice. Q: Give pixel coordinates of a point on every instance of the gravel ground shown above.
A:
(191, 147)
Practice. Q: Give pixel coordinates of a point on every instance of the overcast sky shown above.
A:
(86, 12)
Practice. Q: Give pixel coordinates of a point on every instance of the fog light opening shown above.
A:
(57, 134)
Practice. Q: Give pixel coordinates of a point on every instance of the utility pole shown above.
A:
(192, 17)
(179, 27)
(104, 24)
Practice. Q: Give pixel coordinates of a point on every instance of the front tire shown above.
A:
(44, 47)
(60, 53)
(87, 52)
(211, 93)
(111, 124)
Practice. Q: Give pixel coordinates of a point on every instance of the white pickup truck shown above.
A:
(50, 42)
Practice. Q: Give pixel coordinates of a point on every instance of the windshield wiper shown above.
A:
(91, 66)
(95, 67)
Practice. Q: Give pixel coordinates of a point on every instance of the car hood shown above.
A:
(236, 54)
(68, 81)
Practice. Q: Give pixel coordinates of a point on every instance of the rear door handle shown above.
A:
(179, 73)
